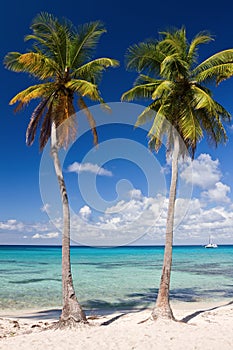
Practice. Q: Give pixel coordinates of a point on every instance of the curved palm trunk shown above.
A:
(71, 310)
(162, 307)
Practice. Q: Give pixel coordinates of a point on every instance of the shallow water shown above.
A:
(125, 277)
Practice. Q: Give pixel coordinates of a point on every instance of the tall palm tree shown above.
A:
(62, 61)
(182, 109)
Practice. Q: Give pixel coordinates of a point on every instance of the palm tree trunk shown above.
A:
(162, 307)
(71, 310)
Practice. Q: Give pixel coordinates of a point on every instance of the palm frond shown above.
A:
(90, 118)
(203, 100)
(180, 101)
(33, 63)
(93, 70)
(84, 88)
(217, 67)
(164, 88)
(51, 37)
(139, 91)
(33, 92)
(45, 132)
(143, 56)
(84, 42)
(67, 124)
(174, 68)
(158, 128)
(189, 127)
(200, 38)
(34, 121)
(144, 79)
(214, 131)
(173, 42)
(149, 113)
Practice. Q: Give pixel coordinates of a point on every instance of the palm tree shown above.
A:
(182, 109)
(62, 61)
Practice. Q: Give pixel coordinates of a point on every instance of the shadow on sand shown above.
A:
(54, 314)
(196, 313)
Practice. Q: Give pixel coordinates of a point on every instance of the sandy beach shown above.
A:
(203, 326)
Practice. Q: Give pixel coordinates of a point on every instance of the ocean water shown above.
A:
(112, 278)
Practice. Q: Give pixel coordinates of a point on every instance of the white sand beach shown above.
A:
(203, 326)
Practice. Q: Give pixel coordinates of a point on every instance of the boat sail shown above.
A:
(211, 244)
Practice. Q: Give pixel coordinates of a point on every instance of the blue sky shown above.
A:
(130, 208)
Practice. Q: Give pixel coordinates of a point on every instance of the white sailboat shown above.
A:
(211, 244)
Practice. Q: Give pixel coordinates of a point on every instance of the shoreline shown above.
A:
(54, 312)
(202, 325)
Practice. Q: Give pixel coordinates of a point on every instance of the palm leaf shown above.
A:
(36, 64)
(61, 55)
(174, 68)
(164, 88)
(90, 119)
(179, 96)
(34, 121)
(84, 42)
(144, 79)
(143, 56)
(51, 37)
(139, 91)
(33, 92)
(92, 71)
(84, 88)
(63, 113)
(148, 113)
(200, 38)
(217, 67)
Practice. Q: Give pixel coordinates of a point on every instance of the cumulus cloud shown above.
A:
(217, 220)
(135, 193)
(122, 223)
(27, 231)
(145, 218)
(46, 236)
(203, 172)
(218, 193)
(12, 225)
(141, 217)
(85, 212)
(88, 167)
(138, 216)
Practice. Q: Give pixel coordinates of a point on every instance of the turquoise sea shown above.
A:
(112, 278)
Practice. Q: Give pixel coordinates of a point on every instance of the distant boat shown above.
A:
(211, 244)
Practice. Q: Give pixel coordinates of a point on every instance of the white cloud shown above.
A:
(135, 193)
(12, 225)
(132, 219)
(46, 236)
(121, 223)
(88, 167)
(137, 215)
(203, 172)
(217, 194)
(26, 230)
(85, 212)
(217, 220)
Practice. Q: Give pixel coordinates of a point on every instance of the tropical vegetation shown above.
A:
(61, 60)
(182, 109)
